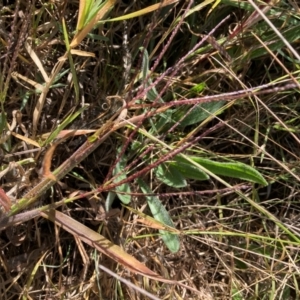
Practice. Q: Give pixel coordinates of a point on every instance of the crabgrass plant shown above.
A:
(149, 150)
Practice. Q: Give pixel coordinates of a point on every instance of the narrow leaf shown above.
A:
(160, 214)
(123, 188)
(80, 35)
(109, 200)
(152, 94)
(68, 120)
(143, 11)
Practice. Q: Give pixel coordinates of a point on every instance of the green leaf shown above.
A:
(124, 188)
(163, 122)
(68, 120)
(3, 121)
(152, 94)
(170, 176)
(92, 11)
(160, 214)
(290, 33)
(91, 8)
(236, 294)
(197, 89)
(3, 126)
(231, 169)
(198, 114)
(188, 170)
(109, 200)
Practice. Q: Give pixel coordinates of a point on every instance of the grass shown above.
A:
(149, 150)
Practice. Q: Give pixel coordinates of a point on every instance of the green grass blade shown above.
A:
(68, 120)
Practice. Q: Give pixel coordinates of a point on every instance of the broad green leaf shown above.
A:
(170, 176)
(160, 214)
(231, 169)
(124, 188)
(188, 170)
(199, 113)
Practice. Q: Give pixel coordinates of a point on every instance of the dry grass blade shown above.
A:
(37, 61)
(103, 245)
(99, 242)
(88, 27)
(128, 283)
(40, 103)
(196, 131)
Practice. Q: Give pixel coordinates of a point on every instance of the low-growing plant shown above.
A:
(182, 126)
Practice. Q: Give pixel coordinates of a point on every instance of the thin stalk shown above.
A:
(79, 155)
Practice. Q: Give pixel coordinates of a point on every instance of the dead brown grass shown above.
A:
(230, 249)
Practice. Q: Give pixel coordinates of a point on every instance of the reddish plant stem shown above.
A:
(86, 149)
